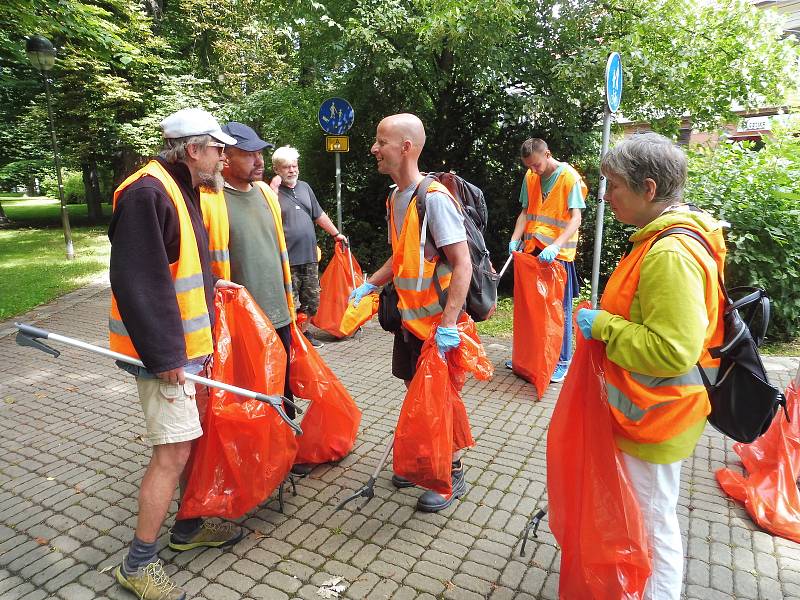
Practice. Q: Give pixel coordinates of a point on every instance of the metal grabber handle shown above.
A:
(31, 336)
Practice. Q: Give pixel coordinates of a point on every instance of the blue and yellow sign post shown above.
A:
(613, 89)
(336, 117)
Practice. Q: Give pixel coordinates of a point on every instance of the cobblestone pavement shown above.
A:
(71, 459)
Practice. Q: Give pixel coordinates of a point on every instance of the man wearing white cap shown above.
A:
(162, 313)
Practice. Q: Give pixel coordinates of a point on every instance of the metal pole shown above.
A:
(601, 209)
(64, 213)
(338, 191)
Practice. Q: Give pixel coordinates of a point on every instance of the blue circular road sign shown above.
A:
(613, 81)
(336, 116)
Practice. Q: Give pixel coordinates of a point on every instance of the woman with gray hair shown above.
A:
(659, 314)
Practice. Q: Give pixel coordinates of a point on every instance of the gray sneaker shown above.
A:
(211, 535)
(150, 582)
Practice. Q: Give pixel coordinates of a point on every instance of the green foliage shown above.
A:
(21, 172)
(73, 187)
(758, 193)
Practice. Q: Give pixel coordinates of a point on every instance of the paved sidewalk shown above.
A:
(71, 458)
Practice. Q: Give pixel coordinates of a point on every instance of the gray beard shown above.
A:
(212, 181)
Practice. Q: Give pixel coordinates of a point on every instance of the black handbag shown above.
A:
(743, 401)
(388, 312)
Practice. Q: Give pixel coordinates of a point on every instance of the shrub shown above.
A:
(73, 187)
(758, 193)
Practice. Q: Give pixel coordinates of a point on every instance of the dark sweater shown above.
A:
(145, 239)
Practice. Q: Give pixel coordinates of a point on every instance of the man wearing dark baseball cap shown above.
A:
(162, 312)
(255, 253)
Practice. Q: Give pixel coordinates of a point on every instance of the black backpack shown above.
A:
(743, 402)
(482, 295)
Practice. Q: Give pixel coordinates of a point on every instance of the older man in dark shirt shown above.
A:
(162, 312)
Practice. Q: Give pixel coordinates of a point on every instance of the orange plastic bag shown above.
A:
(335, 285)
(246, 450)
(331, 422)
(538, 319)
(355, 316)
(593, 511)
(769, 490)
(433, 421)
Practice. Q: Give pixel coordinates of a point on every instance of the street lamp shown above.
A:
(42, 55)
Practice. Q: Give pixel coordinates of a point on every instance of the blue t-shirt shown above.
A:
(574, 200)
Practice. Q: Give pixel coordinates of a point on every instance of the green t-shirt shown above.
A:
(574, 200)
(255, 254)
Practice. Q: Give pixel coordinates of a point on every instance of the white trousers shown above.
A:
(657, 488)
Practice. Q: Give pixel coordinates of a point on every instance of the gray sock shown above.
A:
(140, 554)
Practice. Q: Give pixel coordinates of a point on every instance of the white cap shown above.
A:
(188, 122)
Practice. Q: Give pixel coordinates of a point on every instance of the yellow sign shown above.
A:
(337, 143)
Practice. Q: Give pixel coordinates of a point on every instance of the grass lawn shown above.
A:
(33, 267)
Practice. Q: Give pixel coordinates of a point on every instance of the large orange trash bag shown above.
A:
(538, 319)
(769, 490)
(331, 422)
(246, 450)
(355, 316)
(594, 514)
(335, 285)
(433, 421)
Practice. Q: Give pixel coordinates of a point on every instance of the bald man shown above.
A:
(398, 144)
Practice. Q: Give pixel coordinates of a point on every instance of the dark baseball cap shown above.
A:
(246, 138)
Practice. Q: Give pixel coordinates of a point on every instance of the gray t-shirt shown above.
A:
(255, 254)
(299, 210)
(445, 221)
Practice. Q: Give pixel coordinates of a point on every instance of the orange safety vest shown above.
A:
(187, 276)
(215, 218)
(547, 220)
(413, 274)
(649, 409)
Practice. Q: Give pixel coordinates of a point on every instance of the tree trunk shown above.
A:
(91, 186)
(3, 217)
(123, 164)
(31, 187)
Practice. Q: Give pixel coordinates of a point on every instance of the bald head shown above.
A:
(405, 126)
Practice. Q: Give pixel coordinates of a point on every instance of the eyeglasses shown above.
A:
(219, 146)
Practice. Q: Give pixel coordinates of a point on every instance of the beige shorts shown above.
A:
(172, 412)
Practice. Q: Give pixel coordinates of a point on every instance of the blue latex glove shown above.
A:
(549, 254)
(514, 246)
(361, 291)
(447, 338)
(585, 318)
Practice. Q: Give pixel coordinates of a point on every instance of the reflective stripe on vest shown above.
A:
(546, 220)
(215, 218)
(413, 275)
(186, 272)
(649, 409)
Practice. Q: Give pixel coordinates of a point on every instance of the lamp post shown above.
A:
(42, 55)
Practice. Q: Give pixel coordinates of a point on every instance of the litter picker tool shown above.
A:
(505, 267)
(31, 336)
(368, 490)
(531, 527)
(350, 256)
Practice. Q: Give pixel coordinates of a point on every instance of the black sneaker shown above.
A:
(401, 482)
(302, 469)
(314, 341)
(430, 501)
